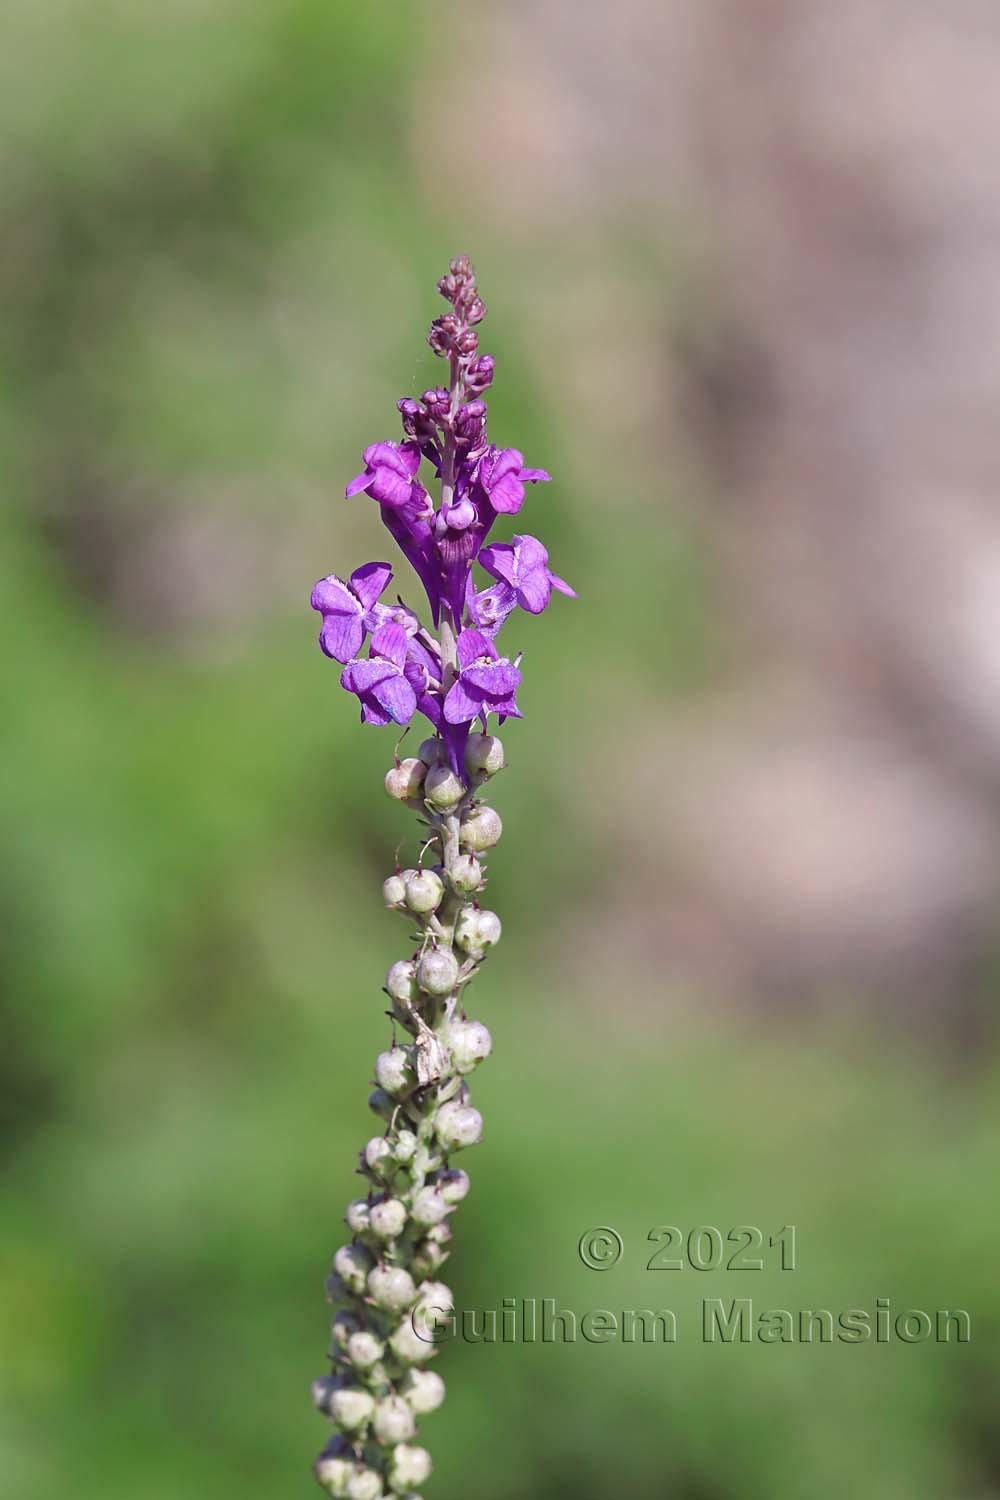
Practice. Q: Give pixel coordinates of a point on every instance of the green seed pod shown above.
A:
(481, 829)
(443, 789)
(458, 1125)
(424, 1391)
(394, 1072)
(437, 971)
(424, 892)
(432, 752)
(394, 892)
(351, 1408)
(466, 875)
(476, 931)
(484, 754)
(401, 982)
(469, 1042)
(404, 783)
(391, 1287)
(406, 1144)
(388, 1218)
(393, 1420)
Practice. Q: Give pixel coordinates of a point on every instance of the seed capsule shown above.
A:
(393, 1420)
(442, 788)
(401, 982)
(351, 1408)
(388, 1218)
(469, 1042)
(393, 1071)
(391, 1287)
(364, 1350)
(458, 1125)
(403, 783)
(428, 1207)
(476, 931)
(394, 891)
(437, 971)
(484, 753)
(424, 892)
(352, 1264)
(480, 829)
(408, 1467)
(424, 1391)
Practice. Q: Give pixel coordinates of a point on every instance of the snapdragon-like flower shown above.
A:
(348, 609)
(385, 1281)
(486, 681)
(524, 565)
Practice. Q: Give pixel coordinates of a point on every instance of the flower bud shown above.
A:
(391, 1287)
(378, 1156)
(364, 1484)
(380, 1103)
(479, 376)
(437, 971)
(484, 753)
(345, 1324)
(458, 1125)
(481, 829)
(432, 752)
(428, 1207)
(424, 1391)
(424, 891)
(453, 1185)
(388, 1218)
(356, 1216)
(403, 783)
(406, 1145)
(475, 931)
(351, 1408)
(442, 788)
(393, 1421)
(408, 1467)
(394, 891)
(364, 1350)
(393, 1071)
(469, 1043)
(466, 875)
(352, 1264)
(400, 982)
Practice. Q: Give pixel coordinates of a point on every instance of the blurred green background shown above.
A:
(221, 226)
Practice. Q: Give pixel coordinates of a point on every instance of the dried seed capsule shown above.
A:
(481, 829)
(437, 971)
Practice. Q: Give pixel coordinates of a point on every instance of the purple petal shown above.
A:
(472, 644)
(397, 697)
(500, 561)
(332, 593)
(361, 482)
(389, 641)
(534, 590)
(341, 636)
(362, 676)
(370, 582)
(529, 553)
(460, 706)
(562, 586)
(371, 713)
(507, 710)
(535, 476)
(499, 680)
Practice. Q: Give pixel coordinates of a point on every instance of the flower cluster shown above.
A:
(384, 1280)
(459, 676)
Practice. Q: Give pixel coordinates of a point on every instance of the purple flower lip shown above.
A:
(349, 609)
(523, 565)
(389, 475)
(501, 476)
(380, 682)
(486, 682)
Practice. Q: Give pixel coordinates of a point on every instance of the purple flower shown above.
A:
(486, 681)
(523, 565)
(389, 474)
(502, 476)
(350, 609)
(489, 609)
(381, 682)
